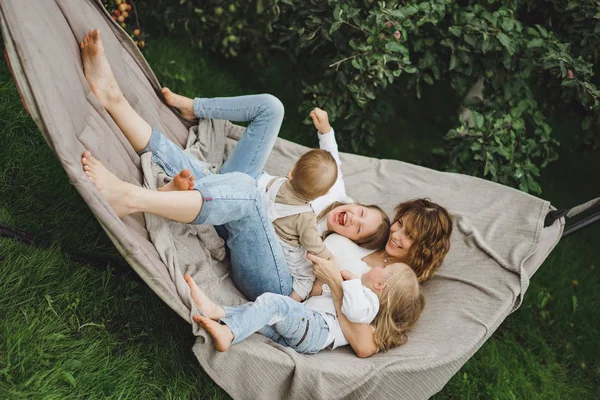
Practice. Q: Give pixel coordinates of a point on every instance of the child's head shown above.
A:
(313, 174)
(366, 225)
(401, 302)
(420, 236)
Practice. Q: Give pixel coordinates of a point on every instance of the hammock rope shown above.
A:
(590, 206)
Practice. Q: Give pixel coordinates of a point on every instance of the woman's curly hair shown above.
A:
(429, 225)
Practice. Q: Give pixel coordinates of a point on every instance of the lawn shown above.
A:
(72, 330)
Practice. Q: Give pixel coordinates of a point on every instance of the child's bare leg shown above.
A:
(221, 334)
(125, 198)
(208, 307)
(185, 105)
(182, 181)
(102, 82)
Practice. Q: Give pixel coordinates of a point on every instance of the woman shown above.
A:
(232, 199)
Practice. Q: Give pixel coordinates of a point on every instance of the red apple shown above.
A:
(397, 35)
(136, 32)
(125, 14)
(142, 44)
(122, 7)
(388, 24)
(121, 18)
(114, 17)
(128, 7)
(118, 1)
(570, 74)
(117, 12)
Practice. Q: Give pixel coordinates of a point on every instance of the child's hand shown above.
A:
(321, 120)
(347, 275)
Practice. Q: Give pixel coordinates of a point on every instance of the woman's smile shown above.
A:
(394, 243)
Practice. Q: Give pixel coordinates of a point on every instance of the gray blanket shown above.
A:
(497, 244)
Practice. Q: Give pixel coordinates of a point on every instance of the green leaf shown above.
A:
(543, 31)
(428, 79)
(574, 302)
(506, 42)
(337, 12)
(569, 82)
(411, 69)
(477, 120)
(475, 146)
(453, 61)
(410, 10)
(508, 24)
(534, 43)
(455, 30)
(335, 26)
(67, 377)
(394, 47)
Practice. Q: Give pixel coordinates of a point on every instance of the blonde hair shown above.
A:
(314, 174)
(429, 225)
(373, 241)
(400, 304)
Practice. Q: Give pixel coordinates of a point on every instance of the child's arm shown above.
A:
(359, 304)
(327, 142)
(309, 237)
(326, 134)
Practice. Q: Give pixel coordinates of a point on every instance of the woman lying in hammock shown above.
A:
(419, 235)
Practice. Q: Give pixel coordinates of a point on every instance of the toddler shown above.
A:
(391, 298)
(287, 201)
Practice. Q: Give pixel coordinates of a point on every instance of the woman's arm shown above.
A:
(359, 336)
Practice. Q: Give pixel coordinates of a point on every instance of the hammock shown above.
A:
(499, 240)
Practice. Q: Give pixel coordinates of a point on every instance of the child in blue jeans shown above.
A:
(390, 298)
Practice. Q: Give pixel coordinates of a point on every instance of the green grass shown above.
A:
(74, 331)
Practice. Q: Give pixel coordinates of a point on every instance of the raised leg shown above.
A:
(265, 113)
(102, 82)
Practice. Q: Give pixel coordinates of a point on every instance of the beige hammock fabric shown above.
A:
(498, 242)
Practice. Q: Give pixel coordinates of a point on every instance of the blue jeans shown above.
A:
(280, 318)
(231, 198)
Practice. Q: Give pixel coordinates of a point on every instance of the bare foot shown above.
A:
(210, 309)
(182, 181)
(115, 190)
(185, 105)
(221, 334)
(97, 70)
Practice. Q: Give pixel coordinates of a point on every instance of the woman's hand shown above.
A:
(327, 270)
(320, 120)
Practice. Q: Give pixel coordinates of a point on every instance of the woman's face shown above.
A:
(354, 221)
(399, 242)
